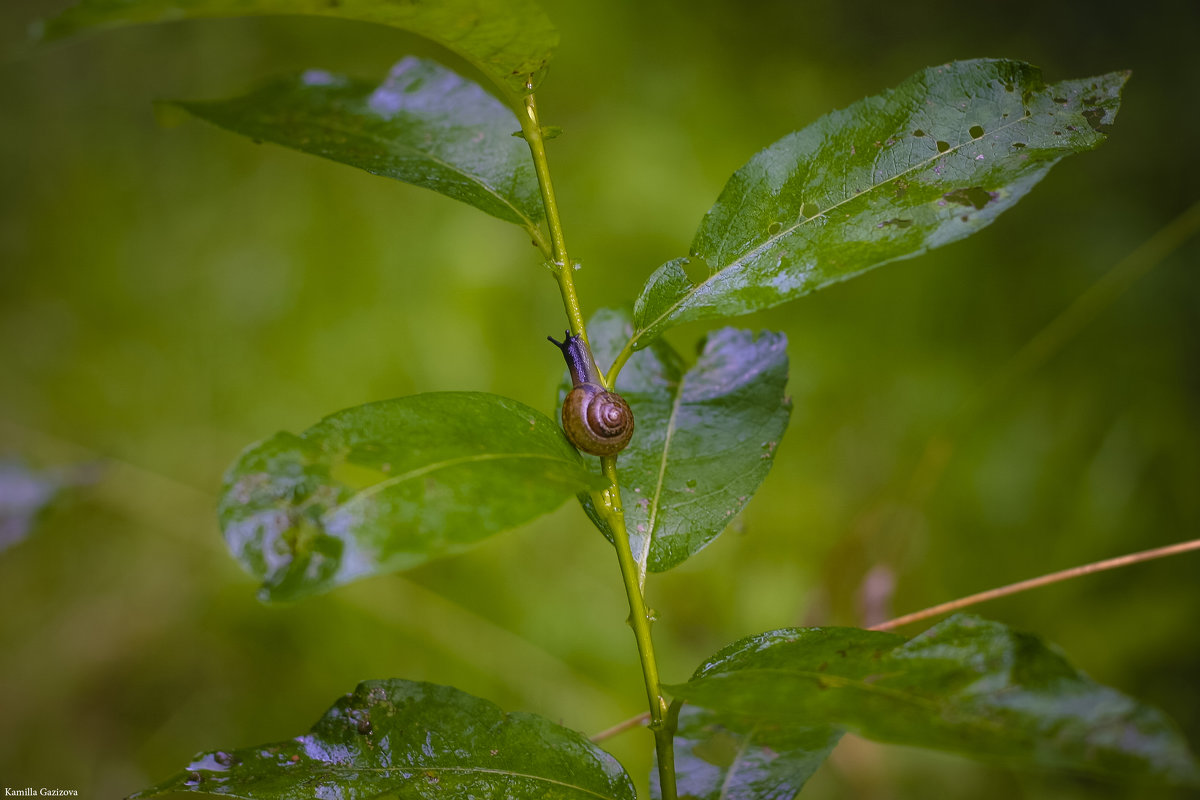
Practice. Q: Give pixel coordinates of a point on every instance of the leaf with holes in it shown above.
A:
(887, 178)
(721, 757)
(389, 485)
(413, 740)
(423, 125)
(704, 437)
(966, 685)
(511, 41)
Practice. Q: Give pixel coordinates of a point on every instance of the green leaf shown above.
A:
(704, 437)
(966, 685)
(413, 740)
(722, 757)
(423, 125)
(511, 41)
(888, 178)
(389, 485)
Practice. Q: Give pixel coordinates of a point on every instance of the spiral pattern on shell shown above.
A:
(597, 421)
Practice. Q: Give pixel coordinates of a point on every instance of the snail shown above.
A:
(595, 420)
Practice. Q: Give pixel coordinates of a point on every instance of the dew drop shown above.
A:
(691, 483)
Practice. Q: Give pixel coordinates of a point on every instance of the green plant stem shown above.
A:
(608, 501)
(611, 378)
(562, 267)
(639, 620)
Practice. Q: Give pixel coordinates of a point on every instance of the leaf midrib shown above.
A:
(973, 721)
(487, 770)
(771, 240)
(375, 488)
(737, 762)
(400, 148)
(662, 473)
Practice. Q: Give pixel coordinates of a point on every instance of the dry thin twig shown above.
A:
(621, 727)
(1034, 583)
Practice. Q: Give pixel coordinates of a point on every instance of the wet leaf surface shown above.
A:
(414, 740)
(389, 485)
(423, 125)
(966, 685)
(721, 757)
(509, 40)
(887, 178)
(704, 439)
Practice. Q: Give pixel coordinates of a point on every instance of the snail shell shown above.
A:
(594, 419)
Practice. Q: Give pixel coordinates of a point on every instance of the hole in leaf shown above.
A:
(943, 146)
(976, 131)
(774, 228)
(976, 196)
(918, 132)
(1094, 117)
(696, 269)
(810, 210)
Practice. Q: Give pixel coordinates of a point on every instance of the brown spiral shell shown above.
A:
(594, 419)
(597, 421)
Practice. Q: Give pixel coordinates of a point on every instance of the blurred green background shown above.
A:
(169, 296)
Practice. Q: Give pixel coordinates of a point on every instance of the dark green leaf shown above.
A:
(389, 485)
(704, 437)
(418, 741)
(509, 40)
(887, 178)
(423, 125)
(722, 757)
(966, 685)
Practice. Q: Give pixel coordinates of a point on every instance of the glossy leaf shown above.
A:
(389, 485)
(704, 437)
(424, 125)
(889, 177)
(722, 757)
(412, 740)
(966, 685)
(508, 40)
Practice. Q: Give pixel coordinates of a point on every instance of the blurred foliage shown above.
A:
(169, 296)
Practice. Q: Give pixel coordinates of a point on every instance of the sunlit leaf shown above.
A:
(704, 437)
(966, 685)
(887, 178)
(424, 125)
(389, 485)
(721, 757)
(412, 740)
(509, 40)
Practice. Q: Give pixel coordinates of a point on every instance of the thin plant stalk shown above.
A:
(608, 501)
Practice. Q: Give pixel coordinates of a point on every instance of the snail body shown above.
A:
(595, 420)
